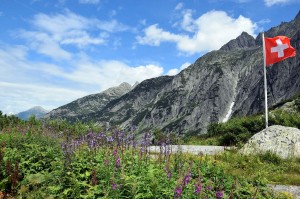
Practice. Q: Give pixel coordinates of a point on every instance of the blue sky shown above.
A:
(53, 52)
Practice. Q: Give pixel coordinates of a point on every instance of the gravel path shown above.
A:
(211, 150)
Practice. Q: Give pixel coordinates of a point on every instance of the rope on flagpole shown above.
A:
(265, 81)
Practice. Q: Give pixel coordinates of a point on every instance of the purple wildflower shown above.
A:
(114, 186)
(186, 179)
(110, 139)
(209, 188)
(118, 161)
(115, 152)
(91, 144)
(178, 192)
(146, 139)
(219, 194)
(101, 135)
(169, 174)
(121, 135)
(198, 188)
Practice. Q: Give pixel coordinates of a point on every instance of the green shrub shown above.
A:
(238, 130)
(297, 104)
(270, 157)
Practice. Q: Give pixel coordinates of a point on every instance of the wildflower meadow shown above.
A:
(55, 159)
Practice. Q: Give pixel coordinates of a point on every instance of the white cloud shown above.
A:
(264, 21)
(274, 2)
(27, 83)
(89, 1)
(155, 35)
(187, 23)
(175, 71)
(143, 22)
(107, 73)
(69, 21)
(51, 34)
(210, 31)
(44, 44)
(25, 96)
(185, 65)
(179, 6)
(81, 38)
(111, 26)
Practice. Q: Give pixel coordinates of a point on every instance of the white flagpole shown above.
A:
(265, 81)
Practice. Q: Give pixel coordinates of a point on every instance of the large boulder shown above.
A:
(281, 140)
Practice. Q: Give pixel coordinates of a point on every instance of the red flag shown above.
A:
(278, 49)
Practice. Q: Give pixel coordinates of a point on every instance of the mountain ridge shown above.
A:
(36, 111)
(222, 81)
(89, 103)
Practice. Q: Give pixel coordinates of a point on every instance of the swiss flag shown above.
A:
(277, 49)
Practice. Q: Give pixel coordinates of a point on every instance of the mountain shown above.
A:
(36, 111)
(88, 104)
(221, 84)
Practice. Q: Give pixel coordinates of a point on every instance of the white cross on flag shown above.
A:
(278, 49)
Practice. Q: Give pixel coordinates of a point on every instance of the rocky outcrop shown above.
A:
(88, 104)
(283, 141)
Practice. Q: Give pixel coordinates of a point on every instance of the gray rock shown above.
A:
(283, 141)
(294, 190)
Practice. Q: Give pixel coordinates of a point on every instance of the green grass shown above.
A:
(269, 166)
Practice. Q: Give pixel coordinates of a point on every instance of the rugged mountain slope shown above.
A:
(191, 100)
(88, 104)
(36, 111)
(131, 107)
(229, 80)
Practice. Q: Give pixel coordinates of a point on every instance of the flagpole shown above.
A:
(265, 81)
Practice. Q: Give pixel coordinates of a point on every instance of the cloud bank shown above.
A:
(208, 32)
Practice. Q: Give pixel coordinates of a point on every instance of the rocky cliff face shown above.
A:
(88, 104)
(223, 83)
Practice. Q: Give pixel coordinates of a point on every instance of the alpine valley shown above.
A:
(221, 84)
